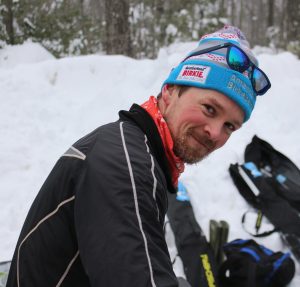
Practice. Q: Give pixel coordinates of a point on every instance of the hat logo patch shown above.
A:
(194, 73)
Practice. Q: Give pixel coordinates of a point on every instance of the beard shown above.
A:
(189, 154)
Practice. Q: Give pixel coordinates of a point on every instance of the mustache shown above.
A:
(204, 139)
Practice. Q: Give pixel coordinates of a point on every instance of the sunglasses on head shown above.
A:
(239, 61)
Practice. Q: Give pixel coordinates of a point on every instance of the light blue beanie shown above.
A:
(210, 71)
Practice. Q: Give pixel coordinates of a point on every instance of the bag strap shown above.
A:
(255, 192)
(258, 222)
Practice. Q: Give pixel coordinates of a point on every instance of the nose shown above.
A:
(213, 130)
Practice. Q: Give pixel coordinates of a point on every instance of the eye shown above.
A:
(230, 127)
(210, 109)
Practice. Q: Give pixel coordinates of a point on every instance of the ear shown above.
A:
(167, 93)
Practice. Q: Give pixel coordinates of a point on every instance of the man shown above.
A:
(98, 219)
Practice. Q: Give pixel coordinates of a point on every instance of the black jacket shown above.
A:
(98, 219)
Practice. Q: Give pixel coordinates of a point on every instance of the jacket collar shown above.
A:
(145, 122)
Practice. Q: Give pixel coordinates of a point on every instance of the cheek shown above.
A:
(223, 139)
(191, 118)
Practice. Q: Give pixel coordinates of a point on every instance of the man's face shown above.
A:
(200, 121)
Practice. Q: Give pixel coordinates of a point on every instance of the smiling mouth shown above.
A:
(200, 142)
(204, 142)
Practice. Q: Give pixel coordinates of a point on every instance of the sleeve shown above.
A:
(117, 217)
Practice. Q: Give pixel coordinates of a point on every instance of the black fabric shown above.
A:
(194, 250)
(145, 122)
(182, 282)
(277, 199)
(257, 234)
(98, 218)
(249, 264)
(265, 156)
(277, 210)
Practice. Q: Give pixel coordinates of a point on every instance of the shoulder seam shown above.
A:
(74, 152)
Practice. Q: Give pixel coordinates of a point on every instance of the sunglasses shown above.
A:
(239, 61)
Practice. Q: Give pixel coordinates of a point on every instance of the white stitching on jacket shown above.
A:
(154, 178)
(35, 228)
(136, 204)
(68, 269)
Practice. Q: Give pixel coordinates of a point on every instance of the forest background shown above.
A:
(139, 28)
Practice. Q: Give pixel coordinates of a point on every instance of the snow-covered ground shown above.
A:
(47, 104)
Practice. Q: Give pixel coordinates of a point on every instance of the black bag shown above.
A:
(249, 264)
(275, 165)
(270, 182)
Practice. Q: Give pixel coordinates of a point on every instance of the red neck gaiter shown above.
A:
(175, 163)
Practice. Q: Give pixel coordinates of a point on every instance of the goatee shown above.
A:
(190, 154)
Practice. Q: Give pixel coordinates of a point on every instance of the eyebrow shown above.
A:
(221, 108)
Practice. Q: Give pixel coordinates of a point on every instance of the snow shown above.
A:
(171, 30)
(28, 53)
(48, 103)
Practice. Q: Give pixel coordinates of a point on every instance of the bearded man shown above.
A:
(98, 219)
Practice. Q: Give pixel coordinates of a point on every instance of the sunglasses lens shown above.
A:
(237, 59)
(260, 81)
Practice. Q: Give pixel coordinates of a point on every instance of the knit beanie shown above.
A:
(210, 71)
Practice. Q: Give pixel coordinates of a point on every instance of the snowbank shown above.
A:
(27, 53)
(47, 104)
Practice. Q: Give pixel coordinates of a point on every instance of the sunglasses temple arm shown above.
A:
(207, 50)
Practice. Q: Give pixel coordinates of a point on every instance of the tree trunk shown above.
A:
(261, 24)
(232, 12)
(270, 13)
(159, 14)
(241, 15)
(117, 27)
(282, 36)
(293, 21)
(221, 12)
(8, 21)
